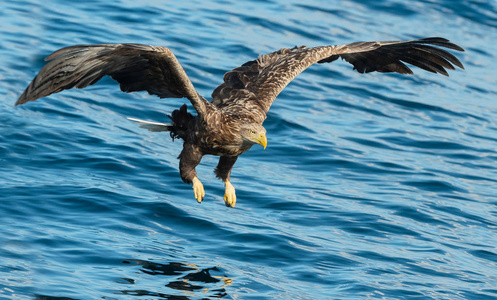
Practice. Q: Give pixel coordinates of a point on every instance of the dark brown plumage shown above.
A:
(232, 122)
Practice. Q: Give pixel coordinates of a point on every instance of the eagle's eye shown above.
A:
(252, 132)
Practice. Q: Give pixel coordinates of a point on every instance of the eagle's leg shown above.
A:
(198, 189)
(189, 158)
(223, 171)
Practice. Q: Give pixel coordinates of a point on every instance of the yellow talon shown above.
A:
(229, 194)
(198, 189)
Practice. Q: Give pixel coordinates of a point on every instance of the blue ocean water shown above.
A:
(373, 186)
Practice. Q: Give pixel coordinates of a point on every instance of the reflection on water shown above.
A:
(183, 281)
(40, 297)
(184, 277)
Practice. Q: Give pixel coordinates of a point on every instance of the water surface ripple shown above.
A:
(372, 186)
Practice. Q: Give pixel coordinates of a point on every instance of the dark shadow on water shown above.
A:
(176, 281)
(40, 297)
(188, 278)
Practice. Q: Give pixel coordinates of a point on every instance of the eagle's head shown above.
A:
(253, 133)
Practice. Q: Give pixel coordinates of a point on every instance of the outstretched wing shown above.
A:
(256, 84)
(136, 67)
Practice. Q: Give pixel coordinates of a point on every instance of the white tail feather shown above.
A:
(152, 126)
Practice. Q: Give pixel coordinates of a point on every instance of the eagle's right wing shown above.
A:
(256, 84)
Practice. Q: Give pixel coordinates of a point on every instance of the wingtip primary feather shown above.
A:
(24, 98)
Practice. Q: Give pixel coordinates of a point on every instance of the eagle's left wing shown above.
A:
(257, 83)
(136, 67)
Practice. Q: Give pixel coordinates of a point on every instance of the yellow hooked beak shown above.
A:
(262, 140)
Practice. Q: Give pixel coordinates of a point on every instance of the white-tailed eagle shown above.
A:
(231, 122)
